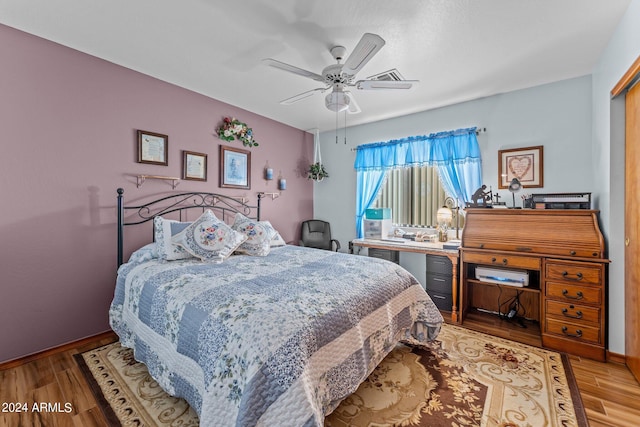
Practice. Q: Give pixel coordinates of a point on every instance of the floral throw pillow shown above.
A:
(163, 230)
(258, 234)
(209, 238)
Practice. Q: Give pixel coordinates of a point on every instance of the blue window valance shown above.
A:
(438, 148)
(455, 153)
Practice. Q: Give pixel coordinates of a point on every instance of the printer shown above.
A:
(503, 276)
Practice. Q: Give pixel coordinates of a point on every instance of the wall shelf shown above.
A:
(142, 178)
(272, 195)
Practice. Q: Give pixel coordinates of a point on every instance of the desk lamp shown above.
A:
(443, 218)
(514, 187)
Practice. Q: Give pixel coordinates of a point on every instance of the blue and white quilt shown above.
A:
(275, 341)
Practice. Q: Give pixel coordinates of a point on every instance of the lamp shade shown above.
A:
(444, 216)
(515, 185)
(337, 101)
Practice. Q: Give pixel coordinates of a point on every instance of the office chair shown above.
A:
(317, 234)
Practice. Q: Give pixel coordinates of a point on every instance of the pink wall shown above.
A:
(68, 126)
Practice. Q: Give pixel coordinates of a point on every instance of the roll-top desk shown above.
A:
(563, 252)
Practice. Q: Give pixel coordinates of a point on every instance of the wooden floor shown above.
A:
(609, 392)
(53, 378)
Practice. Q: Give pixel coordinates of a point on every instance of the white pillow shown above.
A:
(209, 238)
(258, 234)
(277, 239)
(163, 230)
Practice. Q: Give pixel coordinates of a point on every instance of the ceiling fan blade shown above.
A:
(292, 69)
(385, 84)
(301, 96)
(354, 108)
(366, 48)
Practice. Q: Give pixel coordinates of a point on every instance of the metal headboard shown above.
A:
(180, 202)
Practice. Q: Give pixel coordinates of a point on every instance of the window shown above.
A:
(455, 153)
(414, 195)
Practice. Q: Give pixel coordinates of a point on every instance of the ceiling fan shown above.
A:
(341, 76)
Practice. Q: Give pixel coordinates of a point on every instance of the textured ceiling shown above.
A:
(458, 49)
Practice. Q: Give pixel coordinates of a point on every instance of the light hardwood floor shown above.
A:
(53, 377)
(609, 392)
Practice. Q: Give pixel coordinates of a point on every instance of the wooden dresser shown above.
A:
(563, 253)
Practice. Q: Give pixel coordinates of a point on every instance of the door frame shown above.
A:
(631, 294)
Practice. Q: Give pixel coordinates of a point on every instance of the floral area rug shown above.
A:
(464, 378)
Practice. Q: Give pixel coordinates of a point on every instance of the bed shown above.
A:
(275, 338)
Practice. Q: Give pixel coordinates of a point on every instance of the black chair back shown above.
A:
(316, 233)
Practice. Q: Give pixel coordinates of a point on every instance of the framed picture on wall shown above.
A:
(525, 163)
(194, 166)
(153, 148)
(235, 167)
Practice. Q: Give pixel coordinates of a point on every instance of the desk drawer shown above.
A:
(389, 255)
(442, 300)
(438, 282)
(573, 312)
(574, 293)
(502, 260)
(573, 273)
(576, 331)
(439, 264)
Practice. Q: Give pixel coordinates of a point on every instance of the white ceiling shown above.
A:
(458, 49)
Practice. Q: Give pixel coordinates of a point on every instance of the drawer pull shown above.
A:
(578, 333)
(565, 275)
(572, 252)
(577, 316)
(579, 294)
(495, 261)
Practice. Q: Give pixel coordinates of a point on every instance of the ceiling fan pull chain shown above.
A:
(345, 127)
(336, 127)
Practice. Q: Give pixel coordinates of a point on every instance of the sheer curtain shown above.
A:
(456, 154)
(414, 194)
(368, 184)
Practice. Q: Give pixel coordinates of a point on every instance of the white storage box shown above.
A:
(377, 228)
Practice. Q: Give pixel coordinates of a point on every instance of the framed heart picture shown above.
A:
(522, 163)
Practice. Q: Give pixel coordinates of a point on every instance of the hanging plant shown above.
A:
(232, 128)
(317, 172)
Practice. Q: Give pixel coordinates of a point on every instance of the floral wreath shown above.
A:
(231, 128)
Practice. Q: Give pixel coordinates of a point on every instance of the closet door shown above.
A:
(632, 235)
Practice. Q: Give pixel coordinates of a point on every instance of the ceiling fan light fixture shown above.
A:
(337, 101)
